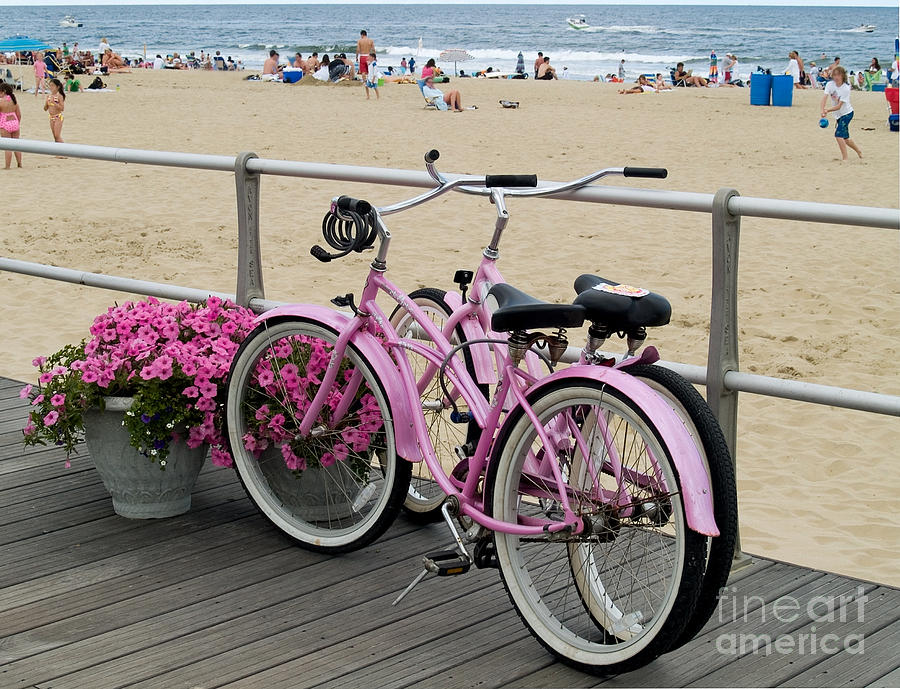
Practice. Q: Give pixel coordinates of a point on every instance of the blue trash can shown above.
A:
(760, 88)
(783, 90)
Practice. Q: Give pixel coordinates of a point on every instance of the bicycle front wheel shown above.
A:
(339, 487)
(619, 594)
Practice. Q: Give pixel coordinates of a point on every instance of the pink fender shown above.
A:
(378, 357)
(694, 482)
(481, 353)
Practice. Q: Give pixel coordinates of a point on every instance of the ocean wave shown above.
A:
(557, 56)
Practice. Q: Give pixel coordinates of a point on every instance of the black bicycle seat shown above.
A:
(512, 309)
(620, 307)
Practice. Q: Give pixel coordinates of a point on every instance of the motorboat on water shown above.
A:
(578, 22)
(863, 28)
(70, 22)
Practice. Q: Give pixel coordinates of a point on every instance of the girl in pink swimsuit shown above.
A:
(40, 74)
(10, 117)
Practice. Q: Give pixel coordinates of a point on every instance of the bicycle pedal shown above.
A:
(447, 563)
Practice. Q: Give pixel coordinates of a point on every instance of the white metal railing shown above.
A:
(722, 376)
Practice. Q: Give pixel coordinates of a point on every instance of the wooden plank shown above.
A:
(797, 644)
(370, 629)
(48, 551)
(208, 612)
(874, 658)
(891, 679)
(50, 598)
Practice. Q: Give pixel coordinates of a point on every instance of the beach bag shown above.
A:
(97, 84)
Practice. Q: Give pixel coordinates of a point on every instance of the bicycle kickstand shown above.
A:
(444, 563)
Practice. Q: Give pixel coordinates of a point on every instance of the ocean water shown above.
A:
(649, 38)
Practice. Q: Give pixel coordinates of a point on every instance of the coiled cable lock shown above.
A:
(348, 226)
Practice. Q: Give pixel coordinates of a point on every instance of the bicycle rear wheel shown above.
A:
(425, 497)
(619, 594)
(698, 418)
(341, 486)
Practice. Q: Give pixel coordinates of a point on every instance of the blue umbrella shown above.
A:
(19, 43)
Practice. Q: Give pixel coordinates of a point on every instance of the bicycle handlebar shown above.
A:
(510, 181)
(653, 172)
(346, 203)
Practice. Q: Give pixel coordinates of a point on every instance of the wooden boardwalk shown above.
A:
(217, 598)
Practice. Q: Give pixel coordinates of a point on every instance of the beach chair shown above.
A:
(871, 79)
(8, 78)
(679, 82)
(891, 95)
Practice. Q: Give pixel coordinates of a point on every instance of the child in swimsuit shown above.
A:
(10, 119)
(54, 105)
(40, 74)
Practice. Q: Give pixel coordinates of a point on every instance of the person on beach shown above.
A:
(54, 104)
(429, 70)
(364, 47)
(403, 65)
(40, 74)
(299, 62)
(442, 101)
(622, 70)
(271, 68)
(537, 63)
(642, 86)
(104, 46)
(826, 72)
(338, 69)
(10, 120)
(687, 77)
(814, 75)
(546, 72)
(412, 66)
(837, 92)
(312, 64)
(520, 63)
(323, 71)
(371, 78)
(793, 69)
(728, 67)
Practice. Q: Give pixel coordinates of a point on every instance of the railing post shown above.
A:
(723, 330)
(249, 273)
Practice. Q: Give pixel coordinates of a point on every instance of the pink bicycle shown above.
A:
(583, 486)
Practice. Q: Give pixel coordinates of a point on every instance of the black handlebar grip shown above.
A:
(510, 181)
(656, 172)
(320, 253)
(432, 155)
(345, 203)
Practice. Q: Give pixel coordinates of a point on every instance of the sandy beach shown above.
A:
(818, 303)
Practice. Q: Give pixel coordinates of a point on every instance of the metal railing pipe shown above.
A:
(813, 392)
(198, 161)
(808, 211)
(118, 284)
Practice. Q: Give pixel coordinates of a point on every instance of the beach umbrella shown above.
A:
(16, 44)
(455, 56)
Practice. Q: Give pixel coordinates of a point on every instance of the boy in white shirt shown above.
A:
(371, 78)
(838, 92)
